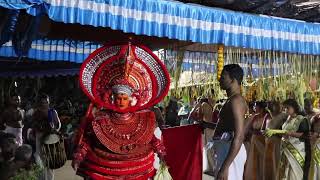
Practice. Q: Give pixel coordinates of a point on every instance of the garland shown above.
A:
(31, 174)
(220, 61)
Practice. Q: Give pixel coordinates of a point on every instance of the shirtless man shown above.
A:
(231, 123)
(12, 118)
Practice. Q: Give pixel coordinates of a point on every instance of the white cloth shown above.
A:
(17, 132)
(208, 163)
(293, 170)
(158, 134)
(236, 168)
(221, 149)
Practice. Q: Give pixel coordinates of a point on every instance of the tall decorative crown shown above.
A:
(124, 68)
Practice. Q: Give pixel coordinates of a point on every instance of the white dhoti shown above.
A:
(17, 132)
(236, 168)
(221, 149)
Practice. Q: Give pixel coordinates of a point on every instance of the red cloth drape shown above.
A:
(184, 152)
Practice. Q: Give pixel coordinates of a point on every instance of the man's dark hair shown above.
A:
(43, 96)
(10, 96)
(23, 153)
(8, 146)
(14, 94)
(262, 104)
(275, 104)
(234, 71)
(202, 100)
(294, 104)
(5, 136)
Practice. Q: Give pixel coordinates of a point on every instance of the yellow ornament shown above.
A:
(220, 61)
(316, 103)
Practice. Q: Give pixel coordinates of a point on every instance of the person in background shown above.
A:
(309, 110)
(159, 117)
(8, 146)
(254, 166)
(203, 111)
(273, 144)
(172, 113)
(163, 113)
(45, 120)
(314, 139)
(293, 152)
(27, 128)
(183, 115)
(12, 118)
(23, 157)
(22, 160)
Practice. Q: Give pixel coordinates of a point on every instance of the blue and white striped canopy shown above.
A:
(188, 22)
(54, 50)
(78, 51)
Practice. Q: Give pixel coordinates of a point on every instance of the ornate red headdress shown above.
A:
(124, 68)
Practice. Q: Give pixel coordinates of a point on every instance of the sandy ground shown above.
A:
(67, 173)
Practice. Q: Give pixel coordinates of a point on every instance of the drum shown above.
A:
(53, 151)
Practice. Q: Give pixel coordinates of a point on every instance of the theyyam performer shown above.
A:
(119, 138)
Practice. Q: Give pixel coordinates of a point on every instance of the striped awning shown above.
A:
(187, 22)
(190, 22)
(40, 73)
(54, 50)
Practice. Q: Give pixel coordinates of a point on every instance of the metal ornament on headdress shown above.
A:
(122, 89)
(123, 85)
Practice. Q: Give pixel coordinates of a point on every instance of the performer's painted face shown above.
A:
(122, 101)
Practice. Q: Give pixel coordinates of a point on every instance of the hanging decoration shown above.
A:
(8, 25)
(268, 75)
(220, 61)
(25, 32)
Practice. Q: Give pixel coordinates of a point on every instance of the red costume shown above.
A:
(117, 143)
